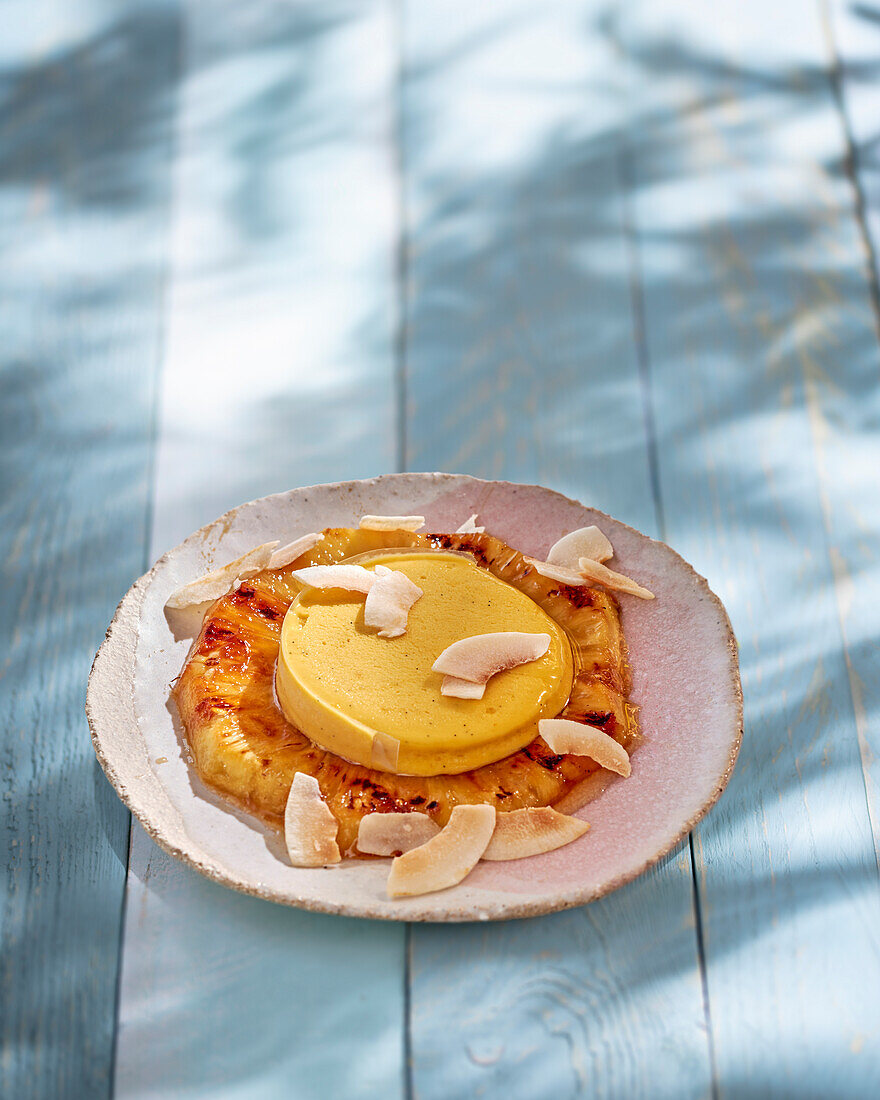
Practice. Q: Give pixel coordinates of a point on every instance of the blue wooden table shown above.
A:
(624, 250)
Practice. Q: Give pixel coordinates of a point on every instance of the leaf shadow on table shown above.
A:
(85, 103)
(238, 994)
(743, 248)
(98, 111)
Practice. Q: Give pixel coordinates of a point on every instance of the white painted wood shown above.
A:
(522, 363)
(758, 321)
(852, 32)
(84, 155)
(845, 409)
(278, 372)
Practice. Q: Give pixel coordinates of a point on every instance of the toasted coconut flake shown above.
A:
(599, 574)
(354, 578)
(557, 572)
(469, 527)
(448, 858)
(566, 737)
(309, 825)
(479, 658)
(385, 752)
(392, 523)
(590, 572)
(393, 834)
(389, 600)
(461, 689)
(284, 555)
(586, 542)
(529, 832)
(217, 583)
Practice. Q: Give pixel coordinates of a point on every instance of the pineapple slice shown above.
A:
(243, 746)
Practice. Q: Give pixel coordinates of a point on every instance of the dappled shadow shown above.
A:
(84, 156)
(693, 247)
(90, 119)
(88, 125)
(629, 275)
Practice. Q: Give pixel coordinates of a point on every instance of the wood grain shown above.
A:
(84, 153)
(640, 266)
(278, 372)
(522, 363)
(758, 320)
(845, 407)
(852, 33)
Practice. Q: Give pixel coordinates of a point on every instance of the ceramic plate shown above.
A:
(685, 680)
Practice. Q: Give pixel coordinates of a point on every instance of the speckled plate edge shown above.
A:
(119, 745)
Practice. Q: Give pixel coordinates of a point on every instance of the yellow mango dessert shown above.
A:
(346, 685)
(286, 678)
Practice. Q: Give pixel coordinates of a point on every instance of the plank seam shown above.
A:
(812, 407)
(407, 1013)
(851, 160)
(401, 258)
(120, 944)
(401, 276)
(638, 309)
(626, 173)
(150, 508)
(812, 403)
(704, 978)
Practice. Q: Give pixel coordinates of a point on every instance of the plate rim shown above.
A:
(115, 645)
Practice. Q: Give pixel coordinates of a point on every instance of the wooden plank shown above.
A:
(759, 331)
(84, 153)
(521, 357)
(845, 409)
(853, 35)
(279, 372)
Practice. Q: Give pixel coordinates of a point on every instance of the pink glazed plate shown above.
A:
(685, 680)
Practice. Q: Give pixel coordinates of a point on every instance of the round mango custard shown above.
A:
(376, 701)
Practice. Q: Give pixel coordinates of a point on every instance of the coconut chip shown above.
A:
(354, 578)
(469, 527)
(390, 593)
(393, 834)
(389, 600)
(568, 738)
(529, 832)
(558, 573)
(284, 555)
(448, 858)
(479, 658)
(217, 583)
(599, 574)
(385, 752)
(457, 688)
(590, 572)
(586, 542)
(309, 825)
(391, 523)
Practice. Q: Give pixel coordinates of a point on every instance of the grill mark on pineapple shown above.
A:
(206, 707)
(220, 642)
(258, 602)
(605, 722)
(535, 753)
(214, 635)
(449, 542)
(579, 595)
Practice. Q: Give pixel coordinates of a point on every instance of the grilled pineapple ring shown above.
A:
(244, 747)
